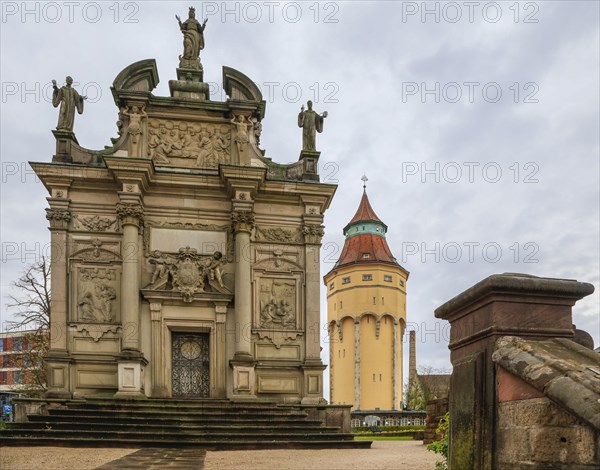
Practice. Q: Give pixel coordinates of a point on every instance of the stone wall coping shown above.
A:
(564, 371)
(515, 284)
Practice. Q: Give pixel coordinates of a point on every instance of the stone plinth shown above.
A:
(502, 304)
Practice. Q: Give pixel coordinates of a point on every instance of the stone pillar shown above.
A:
(221, 359)
(313, 366)
(357, 363)
(131, 361)
(158, 379)
(57, 359)
(243, 360)
(500, 305)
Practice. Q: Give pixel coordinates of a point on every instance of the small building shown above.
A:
(13, 346)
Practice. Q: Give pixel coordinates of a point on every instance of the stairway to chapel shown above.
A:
(209, 424)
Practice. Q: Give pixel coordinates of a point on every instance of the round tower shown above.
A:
(366, 311)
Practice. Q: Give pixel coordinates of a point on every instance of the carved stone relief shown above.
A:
(95, 250)
(95, 223)
(179, 143)
(97, 295)
(278, 303)
(278, 234)
(187, 272)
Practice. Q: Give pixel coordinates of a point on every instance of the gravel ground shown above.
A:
(57, 458)
(383, 455)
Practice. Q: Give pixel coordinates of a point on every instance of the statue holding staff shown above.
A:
(311, 122)
(69, 100)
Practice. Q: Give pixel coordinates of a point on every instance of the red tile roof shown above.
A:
(375, 245)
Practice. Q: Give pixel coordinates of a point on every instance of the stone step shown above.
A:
(235, 416)
(266, 428)
(158, 436)
(214, 445)
(203, 420)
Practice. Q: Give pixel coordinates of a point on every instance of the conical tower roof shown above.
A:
(365, 238)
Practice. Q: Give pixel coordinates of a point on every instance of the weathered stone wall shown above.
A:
(536, 434)
(436, 409)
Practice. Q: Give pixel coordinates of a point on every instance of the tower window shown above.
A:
(346, 280)
(340, 304)
(367, 277)
(380, 377)
(366, 255)
(387, 278)
(401, 282)
(374, 300)
(332, 285)
(373, 377)
(383, 301)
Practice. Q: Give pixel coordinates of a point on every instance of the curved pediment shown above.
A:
(141, 76)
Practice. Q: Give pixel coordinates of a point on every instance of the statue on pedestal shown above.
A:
(69, 100)
(193, 41)
(311, 122)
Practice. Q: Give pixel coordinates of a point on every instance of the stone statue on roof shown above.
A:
(193, 40)
(69, 101)
(311, 122)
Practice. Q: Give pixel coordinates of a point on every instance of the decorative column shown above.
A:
(57, 359)
(243, 361)
(357, 363)
(158, 379)
(131, 360)
(313, 366)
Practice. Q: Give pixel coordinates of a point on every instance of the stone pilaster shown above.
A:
(313, 366)
(158, 379)
(243, 362)
(221, 359)
(57, 359)
(131, 361)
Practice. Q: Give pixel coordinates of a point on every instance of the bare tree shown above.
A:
(31, 306)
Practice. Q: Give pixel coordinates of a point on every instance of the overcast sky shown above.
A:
(477, 125)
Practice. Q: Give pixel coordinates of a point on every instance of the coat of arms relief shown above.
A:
(187, 272)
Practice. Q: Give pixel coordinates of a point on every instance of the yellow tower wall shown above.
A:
(380, 299)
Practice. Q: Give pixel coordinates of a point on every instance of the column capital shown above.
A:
(242, 221)
(155, 311)
(59, 218)
(130, 213)
(313, 233)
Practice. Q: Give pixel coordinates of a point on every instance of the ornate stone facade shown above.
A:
(180, 228)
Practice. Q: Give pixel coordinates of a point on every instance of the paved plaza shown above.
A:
(398, 455)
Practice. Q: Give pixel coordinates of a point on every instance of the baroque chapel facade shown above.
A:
(366, 313)
(185, 263)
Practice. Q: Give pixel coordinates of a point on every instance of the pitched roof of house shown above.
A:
(357, 246)
(437, 384)
(566, 372)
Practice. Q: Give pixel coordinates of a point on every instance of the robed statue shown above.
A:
(69, 101)
(193, 40)
(311, 122)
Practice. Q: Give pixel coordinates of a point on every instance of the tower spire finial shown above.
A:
(364, 180)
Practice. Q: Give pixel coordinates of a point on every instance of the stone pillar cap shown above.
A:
(517, 284)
